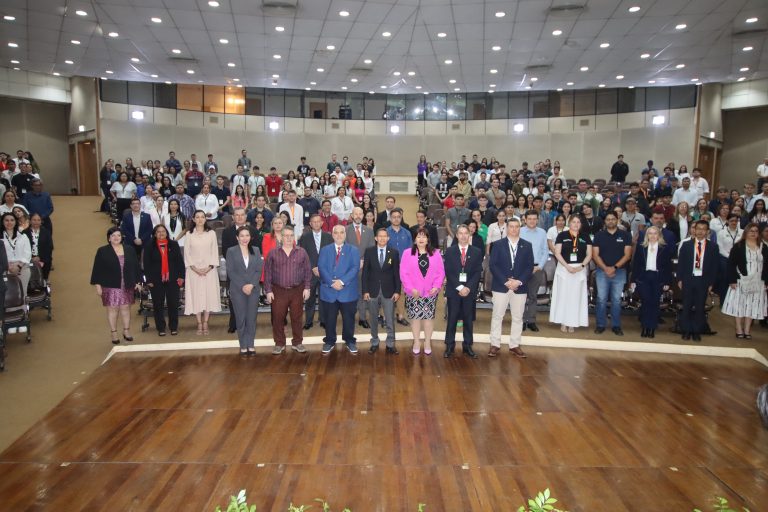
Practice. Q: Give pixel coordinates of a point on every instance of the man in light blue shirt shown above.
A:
(400, 239)
(538, 239)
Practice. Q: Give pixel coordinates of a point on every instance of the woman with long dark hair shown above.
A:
(18, 249)
(164, 270)
(244, 267)
(747, 277)
(201, 256)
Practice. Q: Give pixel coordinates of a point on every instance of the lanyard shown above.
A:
(733, 237)
(575, 243)
(513, 251)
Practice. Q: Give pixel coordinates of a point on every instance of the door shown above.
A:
(74, 186)
(87, 168)
(708, 165)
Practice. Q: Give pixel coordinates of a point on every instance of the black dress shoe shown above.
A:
(392, 350)
(449, 351)
(308, 326)
(599, 330)
(525, 326)
(644, 333)
(469, 352)
(322, 325)
(364, 324)
(686, 336)
(373, 349)
(231, 330)
(617, 331)
(651, 333)
(533, 327)
(696, 337)
(403, 321)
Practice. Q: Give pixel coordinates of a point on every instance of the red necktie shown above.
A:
(357, 231)
(338, 253)
(463, 256)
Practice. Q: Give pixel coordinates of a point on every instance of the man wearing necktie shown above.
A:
(463, 267)
(696, 274)
(360, 236)
(381, 287)
(312, 241)
(339, 266)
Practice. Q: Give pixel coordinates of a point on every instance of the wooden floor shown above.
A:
(604, 431)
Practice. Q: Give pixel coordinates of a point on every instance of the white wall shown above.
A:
(583, 151)
(750, 93)
(745, 145)
(34, 86)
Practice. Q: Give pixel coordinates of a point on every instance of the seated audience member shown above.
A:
(260, 206)
(187, 203)
(18, 250)
(40, 202)
(41, 243)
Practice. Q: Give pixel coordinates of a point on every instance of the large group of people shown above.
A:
(301, 241)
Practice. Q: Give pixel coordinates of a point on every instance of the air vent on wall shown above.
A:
(335, 126)
(455, 126)
(583, 122)
(213, 119)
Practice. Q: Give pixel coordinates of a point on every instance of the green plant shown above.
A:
(238, 504)
(542, 502)
(720, 504)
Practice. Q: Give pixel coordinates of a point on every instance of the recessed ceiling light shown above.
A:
(312, 83)
(134, 59)
(103, 77)
(277, 56)
(492, 85)
(307, 88)
(631, 87)
(330, 47)
(746, 48)
(56, 73)
(14, 61)
(371, 92)
(645, 55)
(418, 87)
(167, 82)
(353, 80)
(741, 79)
(13, 45)
(191, 71)
(367, 61)
(382, 87)
(235, 79)
(200, 81)
(452, 81)
(569, 83)
(491, 91)
(153, 75)
(605, 45)
(75, 41)
(213, 3)
(113, 34)
(231, 64)
(239, 86)
(619, 77)
(681, 26)
(396, 73)
(320, 70)
(680, 66)
(448, 61)
(81, 13)
(584, 68)
(425, 93)
(280, 29)
(19, 69)
(534, 79)
(343, 14)
(176, 51)
(496, 48)
(744, 69)
(411, 73)
(343, 87)
(493, 71)
(386, 34)
(601, 86)
(651, 81)
(109, 72)
(752, 20)
(634, 8)
(500, 14)
(156, 20)
(694, 79)
(559, 89)
(457, 89)
(441, 34)
(527, 86)
(224, 41)
(275, 75)
(9, 18)
(557, 32)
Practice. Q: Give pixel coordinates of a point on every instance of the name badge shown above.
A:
(573, 257)
(306, 214)
(463, 277)
(221, 201)
(109, 182)
(697, 272)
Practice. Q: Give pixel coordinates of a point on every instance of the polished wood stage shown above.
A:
(605, 431)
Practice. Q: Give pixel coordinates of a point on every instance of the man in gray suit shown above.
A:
(360, 236)
(312, 241)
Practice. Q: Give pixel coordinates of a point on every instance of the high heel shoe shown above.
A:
(115, 341)
(563, 328)
(126, 337)
(199, 328)
(205, 328)
(571, 329)
(427, 351)
(416, 348)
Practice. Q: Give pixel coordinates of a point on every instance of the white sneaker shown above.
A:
(12, 330)
(23, 328)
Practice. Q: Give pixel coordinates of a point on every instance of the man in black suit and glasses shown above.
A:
(312, 241)
(381, 287)
(696, 274)
(463, 267)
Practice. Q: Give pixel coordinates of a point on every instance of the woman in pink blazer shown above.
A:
(422, 274)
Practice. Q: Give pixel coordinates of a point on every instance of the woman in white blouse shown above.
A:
(122, 192)
(18, 249)
(9, 203)
(342, 205)
(497, 230)
(175, 222)
(207, 202)
(159, 211)
(311, 177)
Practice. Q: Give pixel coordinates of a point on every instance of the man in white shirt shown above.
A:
(341, 205)
(699, 184)
(762, 173)
(207, 202)
(686, 193)
(295, 212)
(21, 160)
(749, 196)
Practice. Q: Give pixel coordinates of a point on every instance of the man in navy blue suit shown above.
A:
(136, 227)
(511, 266)
(696, 274)
(339, 265)
(463, 267)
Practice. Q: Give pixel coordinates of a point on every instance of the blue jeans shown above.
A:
(610, 288)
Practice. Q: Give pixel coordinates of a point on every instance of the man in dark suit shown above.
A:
(136, 227)
(696, 274)
(381, 288)
(463, 267)
(421, 222)
(361, 236)
(229, 239)
(511, 266)
(312, 241)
